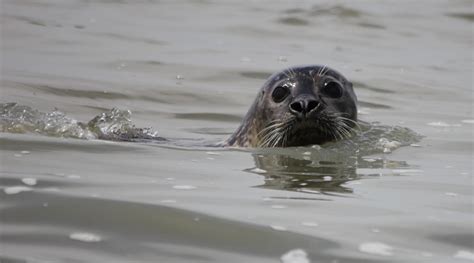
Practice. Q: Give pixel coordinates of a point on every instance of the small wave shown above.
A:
(116, 125)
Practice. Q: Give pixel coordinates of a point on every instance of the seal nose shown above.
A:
(300, 107)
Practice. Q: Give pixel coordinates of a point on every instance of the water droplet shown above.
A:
(85, 237)
(29, 181)
(278, 227)
(327, 178)
(376, 248)
(258, 170)
(370, 160)
(184, 187)
(295, 256)
(16, 189)
(309, 191)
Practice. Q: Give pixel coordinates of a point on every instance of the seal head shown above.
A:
(299, 106)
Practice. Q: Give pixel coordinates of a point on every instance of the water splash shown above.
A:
(16, 118)
(112, 125)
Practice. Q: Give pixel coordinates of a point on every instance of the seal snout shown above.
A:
(303, 105)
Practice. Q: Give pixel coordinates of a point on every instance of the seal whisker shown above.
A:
(269, 134)
(356, 124)
(286, 73)
(322, 71)
(325, 71)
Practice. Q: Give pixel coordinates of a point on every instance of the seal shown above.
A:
(299, 106)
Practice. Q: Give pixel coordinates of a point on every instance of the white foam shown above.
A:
(184, 187)
(370, 160)
(258, 170)
(376, 248)
(297, 255)
(16, 189)
(85, 237)
(29, 181)
(468, 121)
(278, 227)
(278, 206)
(464, 254)
(327, 178)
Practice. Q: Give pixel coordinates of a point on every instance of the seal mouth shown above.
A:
(315, 129)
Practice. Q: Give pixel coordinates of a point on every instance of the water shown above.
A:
(187, 71)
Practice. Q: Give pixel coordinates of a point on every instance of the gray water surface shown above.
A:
(189, 70)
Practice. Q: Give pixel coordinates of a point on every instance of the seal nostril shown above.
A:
(296, 106)
(312, 104)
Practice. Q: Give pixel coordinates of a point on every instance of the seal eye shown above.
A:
(280, 93)
(332, 89)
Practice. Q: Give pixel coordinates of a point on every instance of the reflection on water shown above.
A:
(317, 170)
